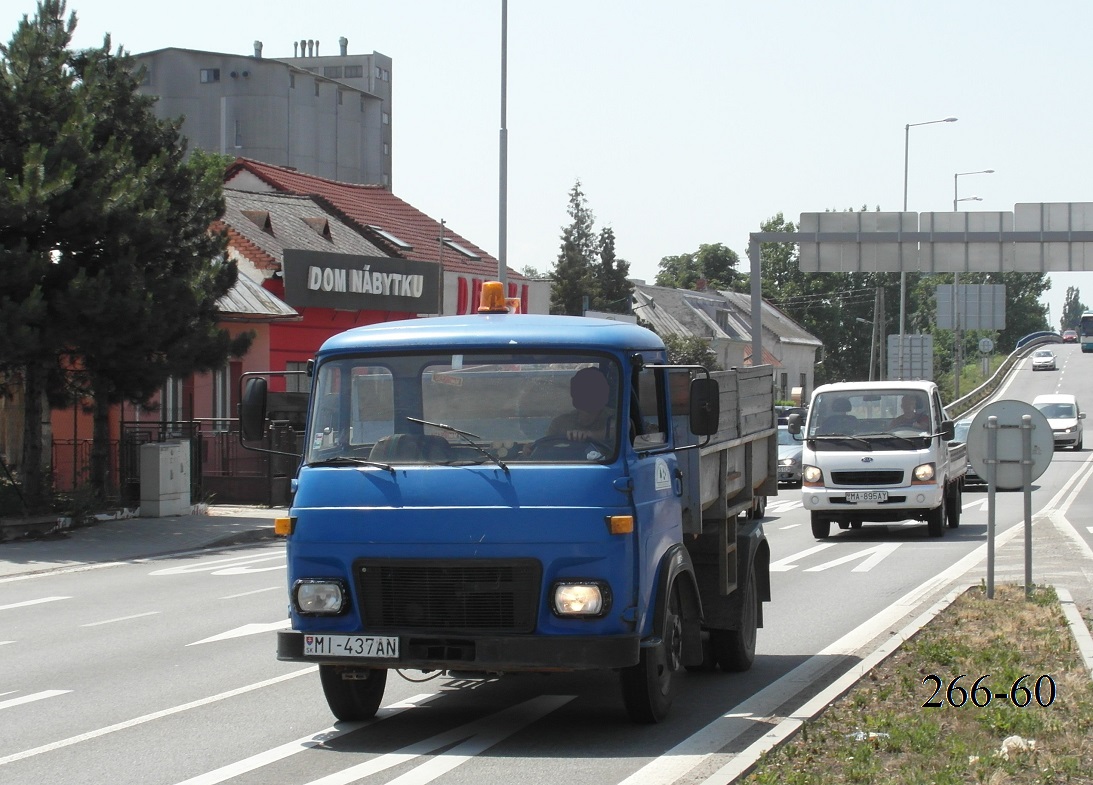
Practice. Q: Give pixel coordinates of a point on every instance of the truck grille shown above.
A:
(858, 478)
(429, 595)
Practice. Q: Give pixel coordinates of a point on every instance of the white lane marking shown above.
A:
(246, 629)
(56, 745)
(473, 738)
(787, 528)
(788, 563)
(35, 696)
(120, 618)
(981, 503)
(214, 567)
(28, 603)
(256, 591)
(305, 743)
(5, 643)
(1090, 528)
(875, 554)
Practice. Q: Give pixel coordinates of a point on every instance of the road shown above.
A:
(163, 671)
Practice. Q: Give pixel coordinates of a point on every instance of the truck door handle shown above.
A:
(677, 482)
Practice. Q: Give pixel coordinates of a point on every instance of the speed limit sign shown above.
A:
(986, 345)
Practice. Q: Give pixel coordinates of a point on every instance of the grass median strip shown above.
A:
(991, 691)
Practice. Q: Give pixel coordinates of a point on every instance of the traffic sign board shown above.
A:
(1009, 468)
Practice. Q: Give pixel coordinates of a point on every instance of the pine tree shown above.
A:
(613, 290)
(572, 275)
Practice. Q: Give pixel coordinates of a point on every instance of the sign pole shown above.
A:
(1026, 470)
(992, 485)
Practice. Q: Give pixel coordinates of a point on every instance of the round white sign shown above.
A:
(1009, 468)
(986, 345)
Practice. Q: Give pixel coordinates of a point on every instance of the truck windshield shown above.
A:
(887, 419)
(466, 409)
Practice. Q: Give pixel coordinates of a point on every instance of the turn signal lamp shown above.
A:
(493, 298)
(283, 527)
(620, 524)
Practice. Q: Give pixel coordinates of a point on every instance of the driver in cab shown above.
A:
(912, 415)
(591, 418)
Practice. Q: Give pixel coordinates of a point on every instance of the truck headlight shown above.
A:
(319, 597)
(923, 473)
(812, 475)
(581, 598)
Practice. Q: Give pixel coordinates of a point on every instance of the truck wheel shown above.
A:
(735, 649)
(649, 687)
(356, 698)
(821, 526)
(955, 500)
(758, 509)
(935, 520)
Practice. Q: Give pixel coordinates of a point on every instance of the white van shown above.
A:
(1065, 418)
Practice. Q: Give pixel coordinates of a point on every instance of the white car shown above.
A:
(1043, 360)
(1065, 418)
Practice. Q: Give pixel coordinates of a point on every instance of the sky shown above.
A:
(690, 122)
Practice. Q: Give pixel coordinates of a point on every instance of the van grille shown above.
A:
(857, 478)
(426, 595)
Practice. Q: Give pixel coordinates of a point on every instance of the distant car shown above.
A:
(1043, 360)
(784, 412)
(960, 434)
(1041, 336)
(1065, 418)
(789, 457)
(1070, 336)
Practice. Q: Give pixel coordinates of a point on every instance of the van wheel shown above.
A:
(935, 520)
(353, 699)
(649, 687)
(954, 499)
(821, 526)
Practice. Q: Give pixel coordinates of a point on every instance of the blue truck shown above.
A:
(508, 493)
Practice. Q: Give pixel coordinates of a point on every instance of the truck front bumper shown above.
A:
(534, 653)
(897, 504)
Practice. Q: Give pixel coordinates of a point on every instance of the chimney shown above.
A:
(343, 42)
(316, 48)
(311, 47)
(258, 49)
(295, 48)
(303, 47)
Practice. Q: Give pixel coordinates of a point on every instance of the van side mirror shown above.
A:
(252, 410)
(793, 424)
(705, 409)
(948, 429)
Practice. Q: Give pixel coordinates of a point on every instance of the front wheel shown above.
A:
(649, 687)
(353, 695)
(955, 500)
(935, 520)
(821, 526)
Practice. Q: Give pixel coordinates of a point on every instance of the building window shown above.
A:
(459, 248)
(391, 238)
(340, 97)
(292, 81)
(783, 392)
(379, 73)
(386, 118)
(386, 149)
(209, 75)
(171, 408)
(316, 87)
(221, 399)
(386, 75)
(297, 381)
(354, 71)
(332, 72)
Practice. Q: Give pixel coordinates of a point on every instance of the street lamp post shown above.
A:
(958, 342)
(902, 274)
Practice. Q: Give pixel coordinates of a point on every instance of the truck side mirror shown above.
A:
(705, 410)
(793, 423)
(252, 410)
(947, 430)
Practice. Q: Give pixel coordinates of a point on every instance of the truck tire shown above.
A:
(734, 650)
(649, 687)
(955, 499)
(821, 526)
(935, 519)
(353, 699)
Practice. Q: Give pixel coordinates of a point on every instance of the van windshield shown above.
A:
(870, 419)
(448, 409)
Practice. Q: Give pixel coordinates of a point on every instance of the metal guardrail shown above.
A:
(966, 403)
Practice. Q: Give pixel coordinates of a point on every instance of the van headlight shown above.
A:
(923, 473)
(581, 598)
(320, 597)
(812, 475)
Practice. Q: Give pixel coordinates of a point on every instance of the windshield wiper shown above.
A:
(467, 437)
(835, 437)
(889, 435)
(347, 460)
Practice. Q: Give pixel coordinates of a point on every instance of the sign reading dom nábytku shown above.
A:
(314, 279)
